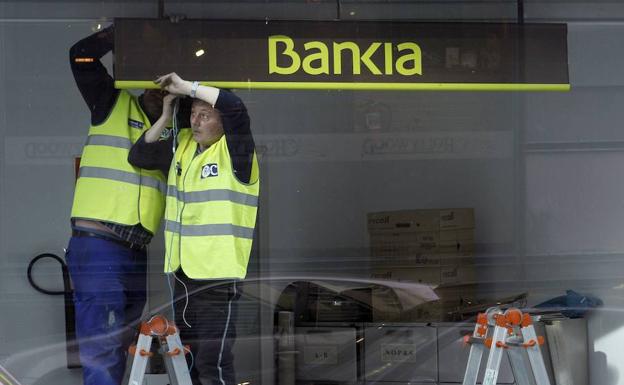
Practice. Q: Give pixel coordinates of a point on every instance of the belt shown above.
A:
(88, 234)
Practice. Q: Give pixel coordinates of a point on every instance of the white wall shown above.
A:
(574, 188)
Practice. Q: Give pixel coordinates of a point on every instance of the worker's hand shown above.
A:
(168, 101)
(174, 84)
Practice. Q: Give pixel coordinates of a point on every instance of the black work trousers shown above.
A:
(211, 313)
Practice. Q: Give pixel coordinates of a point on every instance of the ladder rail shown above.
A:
(474, 363)
(496, 354)
(519, 367)
(477, 348)
(535, 356)
(176, 361)
(139, 362)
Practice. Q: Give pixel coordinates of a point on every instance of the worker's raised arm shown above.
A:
(153, 150)
(176, 85)
(154, 133)
(96, 86)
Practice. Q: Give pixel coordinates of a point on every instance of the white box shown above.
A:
(326, 354)
(406, 353)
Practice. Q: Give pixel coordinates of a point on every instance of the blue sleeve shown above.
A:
(237, 129)
(151, 156)
(96, 86)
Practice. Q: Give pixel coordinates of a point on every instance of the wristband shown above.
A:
(194, 88)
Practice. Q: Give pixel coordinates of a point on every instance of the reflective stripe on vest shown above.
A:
(109, 188)
(213, 195)
(206, 230)
(210, 216)
(123, 176)
(109, 140)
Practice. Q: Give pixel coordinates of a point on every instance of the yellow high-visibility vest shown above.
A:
(210, 215)
(108, 187)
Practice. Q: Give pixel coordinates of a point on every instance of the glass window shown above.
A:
(359, 185)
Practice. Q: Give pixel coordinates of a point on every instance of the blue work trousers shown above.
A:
(109, 283)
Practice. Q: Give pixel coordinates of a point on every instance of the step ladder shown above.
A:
(511, 331)
(171, 349)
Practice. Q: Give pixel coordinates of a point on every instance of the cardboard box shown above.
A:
(410, 233)
(452, 283)
(427, 274)
(422, 260)
(387, 308)
(432, 246)
(458, 275)
(391, 244)
(421, 220)
(384, 310)
(456, 241)
(430, 275)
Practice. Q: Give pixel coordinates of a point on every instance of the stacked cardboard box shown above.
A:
(433, 247)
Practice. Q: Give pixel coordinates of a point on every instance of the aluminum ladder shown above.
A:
(171, 349)
(513, 332)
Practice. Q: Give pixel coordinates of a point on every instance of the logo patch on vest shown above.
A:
(135, 124)
(211, 169)
(165, 134)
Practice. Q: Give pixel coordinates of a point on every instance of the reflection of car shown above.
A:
(328, 336)
(255, 330)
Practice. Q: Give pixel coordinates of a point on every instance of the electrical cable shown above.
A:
(66, 282)
(174, 134)
(174, 143)
(73, 360)
(174, 118)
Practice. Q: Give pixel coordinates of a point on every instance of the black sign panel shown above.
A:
(345, 55)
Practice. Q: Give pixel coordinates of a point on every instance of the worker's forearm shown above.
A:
(206, 93)
(156, 130)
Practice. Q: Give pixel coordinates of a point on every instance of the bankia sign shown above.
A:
(363, 55)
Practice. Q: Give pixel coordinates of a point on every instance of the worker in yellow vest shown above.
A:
(210, 216)
(117, 208)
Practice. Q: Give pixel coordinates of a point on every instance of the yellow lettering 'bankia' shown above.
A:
(316, 57)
